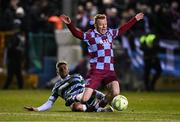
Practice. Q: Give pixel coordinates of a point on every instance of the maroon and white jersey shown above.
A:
(100, 45)
(100, 48)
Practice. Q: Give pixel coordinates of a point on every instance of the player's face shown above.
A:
(63, 70)
(101, 26)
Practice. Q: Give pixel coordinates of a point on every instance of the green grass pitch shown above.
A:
(143, 106)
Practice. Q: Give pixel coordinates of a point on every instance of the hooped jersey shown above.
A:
(69, 87)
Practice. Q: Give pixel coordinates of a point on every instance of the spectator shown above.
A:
(149, 45)
(14, 16)
(14, 61)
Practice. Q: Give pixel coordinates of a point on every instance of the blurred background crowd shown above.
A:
(34, 24)
(161, 16)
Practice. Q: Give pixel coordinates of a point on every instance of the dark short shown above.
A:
(96, 78)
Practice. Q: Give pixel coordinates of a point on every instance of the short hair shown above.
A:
(60, 62)
(99, 16)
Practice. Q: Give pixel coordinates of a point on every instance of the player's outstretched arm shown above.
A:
(30, 108)
(65, 19)
(47, 105)
(130, 23)
(139, 16)
(76, 32)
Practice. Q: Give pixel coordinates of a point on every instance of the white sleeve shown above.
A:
(48, 104)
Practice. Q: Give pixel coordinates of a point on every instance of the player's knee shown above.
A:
(87, 94)
(85, 99)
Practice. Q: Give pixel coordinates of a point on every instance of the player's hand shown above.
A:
(139, 16)
(29, 108)
(65, 19)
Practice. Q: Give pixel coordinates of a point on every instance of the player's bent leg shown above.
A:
(113, 90)
(86, 95)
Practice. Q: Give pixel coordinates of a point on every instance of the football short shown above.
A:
(95, 78)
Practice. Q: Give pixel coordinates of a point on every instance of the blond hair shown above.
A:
(99, 16)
